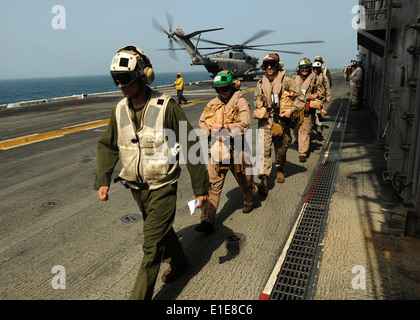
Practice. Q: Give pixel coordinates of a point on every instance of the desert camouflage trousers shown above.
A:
(217, 180)
(304, 133)
(266, 141)
(354, 95)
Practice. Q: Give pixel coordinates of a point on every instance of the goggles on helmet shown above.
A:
(126, 67)
(270, 63)
(125, 78)
(304, 68)
(224, 89)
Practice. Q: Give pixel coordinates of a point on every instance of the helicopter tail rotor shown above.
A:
(169, 33)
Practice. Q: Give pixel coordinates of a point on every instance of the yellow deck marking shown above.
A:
(191, 103)
(7, 144)
(17, 142)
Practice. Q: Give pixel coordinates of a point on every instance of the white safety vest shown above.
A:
(145, 154)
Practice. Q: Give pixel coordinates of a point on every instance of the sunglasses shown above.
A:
(224, 89)
(270, 63)
(124, 78)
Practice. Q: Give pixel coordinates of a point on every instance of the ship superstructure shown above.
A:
(389, 48)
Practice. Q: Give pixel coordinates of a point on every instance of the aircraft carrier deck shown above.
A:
(53, 226)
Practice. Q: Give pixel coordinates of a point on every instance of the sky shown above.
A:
(43, 38)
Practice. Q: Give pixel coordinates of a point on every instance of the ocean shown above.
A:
(18, 90)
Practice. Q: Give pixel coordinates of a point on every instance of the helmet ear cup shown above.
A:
(149, 75)
(143, 61)
(236, 84)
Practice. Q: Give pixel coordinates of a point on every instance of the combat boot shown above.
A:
(319, 129)
(280, 176)
(204, 227)
(171, 274)
(263, 186)
(247, 208)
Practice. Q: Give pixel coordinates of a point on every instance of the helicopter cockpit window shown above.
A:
(231, 55)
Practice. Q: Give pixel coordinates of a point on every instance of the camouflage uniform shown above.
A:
(239, 122)
(305, 127)
(326, 82)
(265, 138)
(355, 84)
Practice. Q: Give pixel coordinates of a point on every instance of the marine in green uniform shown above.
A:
(133, 136)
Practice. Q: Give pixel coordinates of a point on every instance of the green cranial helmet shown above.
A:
(305, 62)
(222, 79)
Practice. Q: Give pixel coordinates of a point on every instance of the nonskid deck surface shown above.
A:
(53, 224)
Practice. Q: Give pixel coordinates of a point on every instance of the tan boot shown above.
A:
(280, 177)
(319, 129)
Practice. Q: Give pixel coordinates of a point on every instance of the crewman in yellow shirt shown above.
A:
(179, 85)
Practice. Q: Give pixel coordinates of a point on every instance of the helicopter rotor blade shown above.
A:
(280, 44)
(258, 35)
(158, 27)
(271, 50)
(169, 33)
(215, 42)
(213, 48)
(216, 52)
(171, 49)
(170, 21)
(172, 52)
(173, 55)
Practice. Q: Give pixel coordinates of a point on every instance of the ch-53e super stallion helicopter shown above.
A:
(227, 57)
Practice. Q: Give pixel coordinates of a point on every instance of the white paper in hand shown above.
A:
(192, 205)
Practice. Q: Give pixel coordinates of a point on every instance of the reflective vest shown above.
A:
(147, 161)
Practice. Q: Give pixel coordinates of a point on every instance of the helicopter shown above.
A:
(226, 56)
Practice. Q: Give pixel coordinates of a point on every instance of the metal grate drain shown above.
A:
(294, 277)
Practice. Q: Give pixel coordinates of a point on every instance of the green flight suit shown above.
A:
(158, 207)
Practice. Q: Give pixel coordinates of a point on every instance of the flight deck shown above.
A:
(58, 241)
